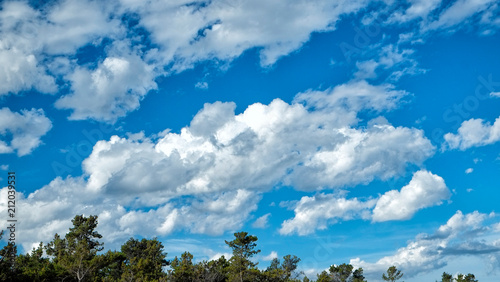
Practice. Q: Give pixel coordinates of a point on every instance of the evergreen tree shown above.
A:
(340, 273)
(183, 268)
(112, 264)
(357, 275)
(8, 256)
(212, 271)
(446, 277)
(466, 278)
(282, 271)
(77, 252)
(144, 260)
(324, 277)
(393, 274)
(243, 247)
(35, 267)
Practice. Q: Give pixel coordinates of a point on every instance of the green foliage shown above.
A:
(324, 277)
(212, 271)
(7, 262)
(112, 265)
(35, 267)
(284, 271)
(183, 268)
(393, 274)
(466, 278)
(340, 273)
(144, 260)
(446, 277)
(357, 275)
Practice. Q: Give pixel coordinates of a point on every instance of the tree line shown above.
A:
(78, 257)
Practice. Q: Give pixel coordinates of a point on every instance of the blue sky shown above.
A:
(362, 132)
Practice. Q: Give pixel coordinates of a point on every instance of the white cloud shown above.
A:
(261, 222)
(317, 212)
(462, 235)
(389, 57)
(219, 255)
(71, 24)
(459, 12)
(424, 190)
(354, 96)
(20, 66)
(417, 9)
(26, 128)
(31, 37)
(271, 256)
(201, 85)
(366, 69)
(473, 133)
(469, 170)
(20, 71)
(109, 92)
(495, 94)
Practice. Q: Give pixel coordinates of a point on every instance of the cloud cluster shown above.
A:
(181, 34)
(317, 212)
(140, 41)
(21, 131)
(223, 30)
(217, 168)
(463, 234)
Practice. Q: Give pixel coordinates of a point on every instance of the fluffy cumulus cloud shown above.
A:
(221, 163)
(424, 190)
(264, 146)
(112, 90)
(473, 133)
(49, 210)
(317, 212)
(20, 66)
(21, 132)
(462, 235)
